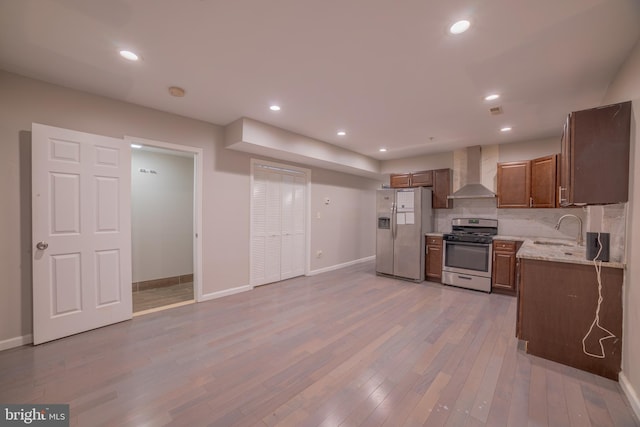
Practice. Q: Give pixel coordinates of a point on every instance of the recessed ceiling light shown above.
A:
(136, 146)
(127, 54)
(382, 150)
(275, 108)
(460, 27)
(491, 97)
(176, 91)
(341, 133)
(505, 129)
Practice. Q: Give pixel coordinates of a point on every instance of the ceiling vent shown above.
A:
(496, 110)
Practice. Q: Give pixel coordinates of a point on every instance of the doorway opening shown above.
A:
(165, 206)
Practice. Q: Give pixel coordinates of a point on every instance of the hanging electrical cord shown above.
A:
(596, 321)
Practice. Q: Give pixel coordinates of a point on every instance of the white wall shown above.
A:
(625, 87)
(225, 239)
(161, 215)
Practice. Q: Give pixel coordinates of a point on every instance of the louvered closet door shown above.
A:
(273, 220)
(258, 226)
(293, 226)
(288, 248)
(278, 226)
(299, 225)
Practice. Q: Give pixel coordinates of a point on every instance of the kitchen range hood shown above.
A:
(472, 189)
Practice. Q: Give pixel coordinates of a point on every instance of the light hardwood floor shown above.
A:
(345, 348)
(160, 297)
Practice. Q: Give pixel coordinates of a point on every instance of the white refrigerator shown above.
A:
(403, 218)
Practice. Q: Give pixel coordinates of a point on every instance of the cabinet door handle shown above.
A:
(530, 202)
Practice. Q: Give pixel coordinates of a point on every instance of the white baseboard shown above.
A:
(16, 342)
(226, 292)
(343, 265)
(631, 394)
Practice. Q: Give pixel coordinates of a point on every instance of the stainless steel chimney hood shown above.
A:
(472, 189)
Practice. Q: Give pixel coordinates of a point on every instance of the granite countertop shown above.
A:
(560, 250)
(557, 250)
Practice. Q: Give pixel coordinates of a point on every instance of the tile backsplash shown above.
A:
(541, 222)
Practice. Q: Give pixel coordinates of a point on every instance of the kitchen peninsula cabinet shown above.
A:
(504, 267)
(439, 180)
(433, 264)
(595, 156)
(556, 306)
(528, 183)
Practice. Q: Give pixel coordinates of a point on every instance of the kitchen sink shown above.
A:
(539, 242)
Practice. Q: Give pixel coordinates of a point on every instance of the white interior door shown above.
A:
(81, 225)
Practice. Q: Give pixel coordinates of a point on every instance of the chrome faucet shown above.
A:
(579, 239)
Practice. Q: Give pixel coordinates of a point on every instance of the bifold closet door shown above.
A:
(293, 229)
(277, 226)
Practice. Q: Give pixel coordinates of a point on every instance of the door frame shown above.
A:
(197, 201)
(284, 167)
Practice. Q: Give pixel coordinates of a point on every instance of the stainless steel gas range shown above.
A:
(468, 253)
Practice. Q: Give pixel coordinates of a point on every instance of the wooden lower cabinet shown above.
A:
(504, 267)
(433, 264)
(557, 304)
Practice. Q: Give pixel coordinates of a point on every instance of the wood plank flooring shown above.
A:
(158, 297)
(345, 348)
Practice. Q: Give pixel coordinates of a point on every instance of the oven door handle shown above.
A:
(450, 242)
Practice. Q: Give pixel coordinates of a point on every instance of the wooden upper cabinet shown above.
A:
(528, 184)
(564, 175)
(439, 179)
(595, 156)
(543, 182)
(514, 184)
(442, 184)
(422, 179)
(402, 180)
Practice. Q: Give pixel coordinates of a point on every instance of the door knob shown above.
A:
(42, 245)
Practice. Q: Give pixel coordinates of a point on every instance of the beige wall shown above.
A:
(161, 215)
(527, 150)
(419, 163)
(225, 183)
(350, 215)
(625, 87)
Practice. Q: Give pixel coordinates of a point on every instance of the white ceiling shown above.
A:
(387, 71)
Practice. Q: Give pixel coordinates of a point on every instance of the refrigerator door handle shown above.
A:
(394, 223)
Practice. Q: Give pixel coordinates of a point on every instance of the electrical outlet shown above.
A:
(318, 254)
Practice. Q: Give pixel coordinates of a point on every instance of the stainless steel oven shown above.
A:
(468, 253)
